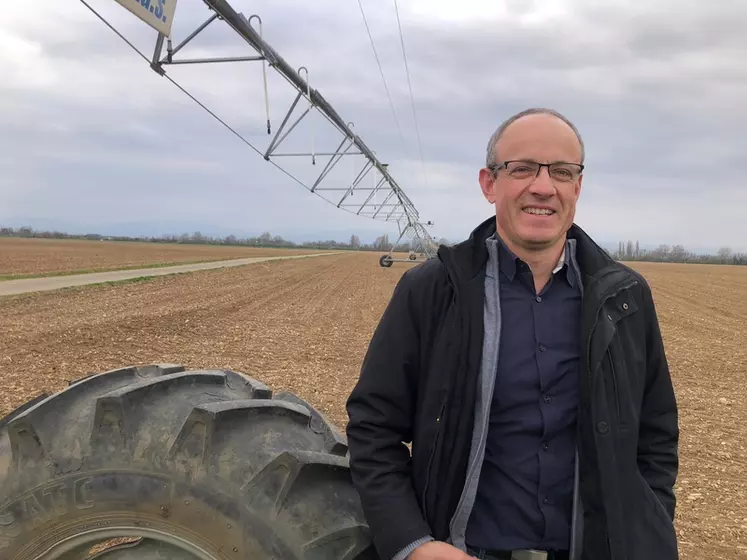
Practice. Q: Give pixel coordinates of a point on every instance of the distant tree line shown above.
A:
(626, 250)
(630, 251)
(265, 240)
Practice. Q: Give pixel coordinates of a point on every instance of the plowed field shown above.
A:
(304, 326)
(28, 257)
(703, 315)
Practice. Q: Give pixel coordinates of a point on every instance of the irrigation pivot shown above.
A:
(368, 191)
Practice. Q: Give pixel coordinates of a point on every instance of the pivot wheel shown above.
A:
(385, 261)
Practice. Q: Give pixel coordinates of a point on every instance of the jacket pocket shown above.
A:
(432, 453)
(615, 388)
(619, 379)
(655, 539)
(656, 505)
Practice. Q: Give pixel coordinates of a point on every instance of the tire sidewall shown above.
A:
(199, 512)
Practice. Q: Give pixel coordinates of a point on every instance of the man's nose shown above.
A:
(542, 184)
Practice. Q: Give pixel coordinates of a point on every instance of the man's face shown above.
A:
(534, 213)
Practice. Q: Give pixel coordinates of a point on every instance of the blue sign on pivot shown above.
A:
(156, 13)
(156, 8)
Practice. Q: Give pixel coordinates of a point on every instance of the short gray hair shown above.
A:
(491, 156)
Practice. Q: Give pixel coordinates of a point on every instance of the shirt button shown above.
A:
(546, 399)
(544, 500)
(545, 447)
(542, 348)
(602, 427)
(539, 299)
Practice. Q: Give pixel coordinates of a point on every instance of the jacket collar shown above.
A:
(467, 259)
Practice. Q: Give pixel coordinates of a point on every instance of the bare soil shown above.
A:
(30, 257)
(703, 314)
(304, 326)
(301, 326)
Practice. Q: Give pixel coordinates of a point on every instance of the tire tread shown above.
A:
(218, 430)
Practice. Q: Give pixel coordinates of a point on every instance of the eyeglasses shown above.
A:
(522, 170)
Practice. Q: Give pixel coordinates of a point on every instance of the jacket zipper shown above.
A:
(614, 384)
(430, 457)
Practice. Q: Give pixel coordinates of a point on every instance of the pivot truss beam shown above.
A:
(383, 198)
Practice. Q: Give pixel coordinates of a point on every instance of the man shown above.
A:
(527, 370)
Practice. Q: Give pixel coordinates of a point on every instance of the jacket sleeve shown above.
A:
(380, 411)
(410, 548)
(658, 458)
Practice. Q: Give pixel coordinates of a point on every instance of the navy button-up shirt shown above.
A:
(525, 493)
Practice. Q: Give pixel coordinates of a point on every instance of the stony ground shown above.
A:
(300, 325)
(703, 315)
(23, 257)
(304, 326)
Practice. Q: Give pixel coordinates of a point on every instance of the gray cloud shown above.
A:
(93, 136)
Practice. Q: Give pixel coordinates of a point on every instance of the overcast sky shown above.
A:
(92, 139)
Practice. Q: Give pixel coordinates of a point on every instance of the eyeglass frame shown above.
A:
(495, 167)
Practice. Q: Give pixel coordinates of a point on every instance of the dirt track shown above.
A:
(50, 283)
(304, 326)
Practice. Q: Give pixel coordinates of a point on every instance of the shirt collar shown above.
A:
(508, 262)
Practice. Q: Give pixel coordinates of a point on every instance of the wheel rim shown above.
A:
(77, 546)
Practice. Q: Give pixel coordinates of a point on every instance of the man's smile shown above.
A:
(538, 211)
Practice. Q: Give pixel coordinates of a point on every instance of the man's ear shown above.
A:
(487, 184)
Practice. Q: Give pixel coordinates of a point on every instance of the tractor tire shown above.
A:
(159, 463)
(385, 261)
